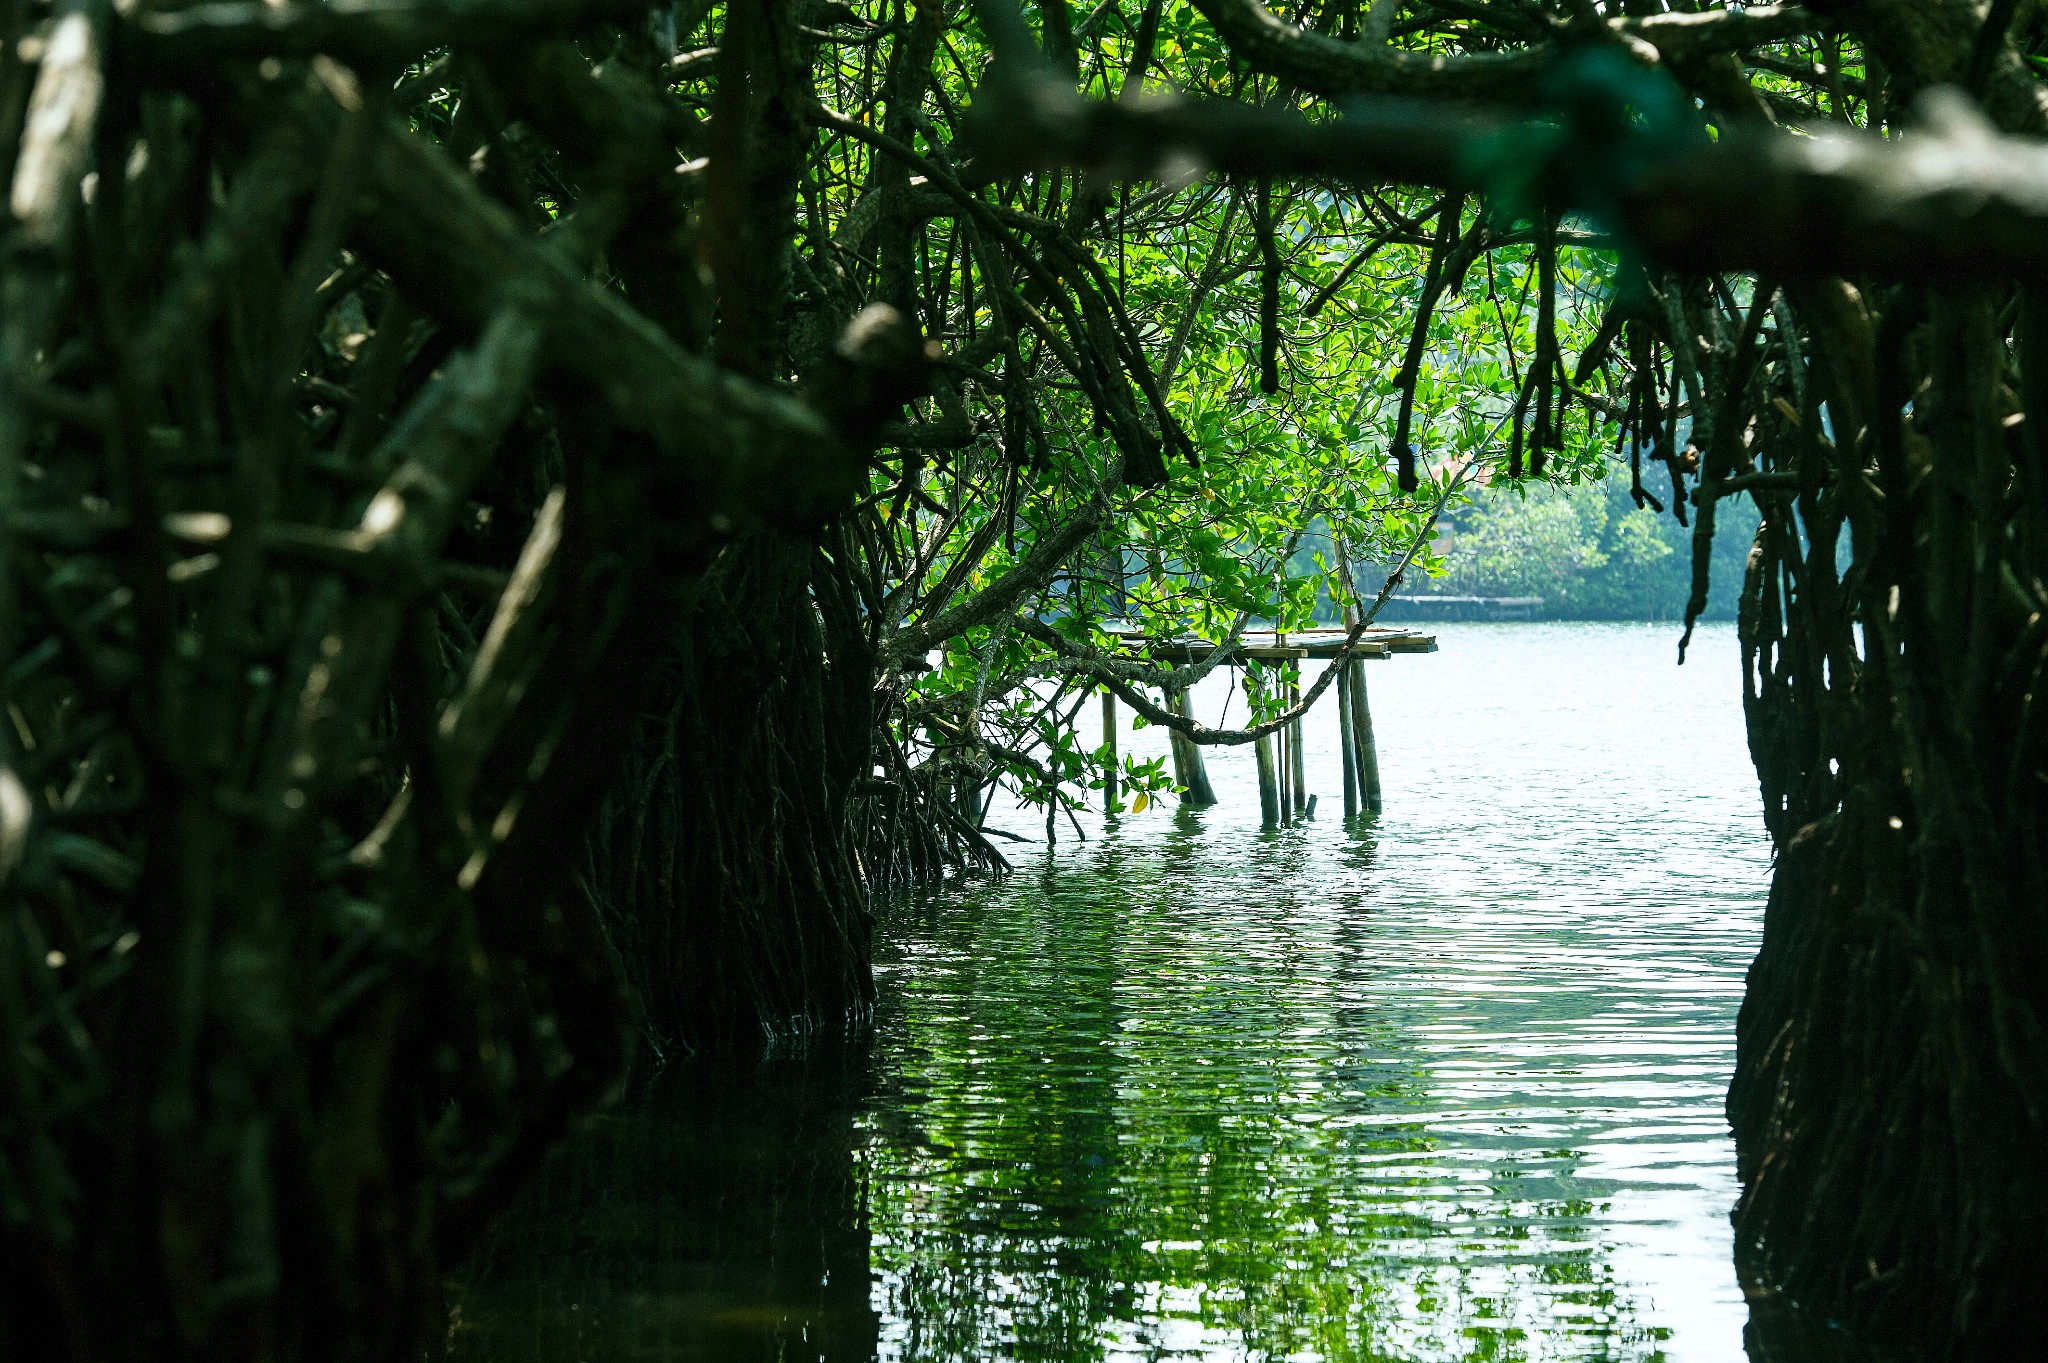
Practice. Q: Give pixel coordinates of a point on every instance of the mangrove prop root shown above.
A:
(343, 519)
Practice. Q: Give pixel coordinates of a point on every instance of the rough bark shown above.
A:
(1892, 1068)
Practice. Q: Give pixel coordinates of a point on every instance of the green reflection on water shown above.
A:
(1195, 1090)
(716, 1217)
(1146, 1129)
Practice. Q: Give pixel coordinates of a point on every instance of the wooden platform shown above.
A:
(1267, 646)
(1283, 777)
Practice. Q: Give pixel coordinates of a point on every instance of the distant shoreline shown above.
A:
(1423, 610)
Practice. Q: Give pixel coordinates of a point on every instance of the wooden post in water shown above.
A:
(1269, 782)
(1109, 775)
(1190, 772)
(1368, 750)
(1280, 774)
(1280, 740)
(1289, 811)
(1297, 769)
(1344, 744)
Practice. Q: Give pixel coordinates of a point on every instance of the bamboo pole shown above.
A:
(1344, 744)
(1269, 782)
(1109, 773)
(1280, 748)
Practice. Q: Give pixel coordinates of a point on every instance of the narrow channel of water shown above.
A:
(1446, 1085)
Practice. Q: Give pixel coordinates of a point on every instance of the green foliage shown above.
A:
(1126, 384)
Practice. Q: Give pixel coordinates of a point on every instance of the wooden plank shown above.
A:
(1319, 643)
(1374, 649)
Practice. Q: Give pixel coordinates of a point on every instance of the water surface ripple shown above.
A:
(1444, 1085)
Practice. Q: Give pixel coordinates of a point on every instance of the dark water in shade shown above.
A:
(1443, 1086)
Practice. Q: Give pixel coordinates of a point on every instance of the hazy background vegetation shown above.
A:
(1589, 552)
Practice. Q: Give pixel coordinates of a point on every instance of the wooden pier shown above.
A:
(1269, 646)
(1283, 776)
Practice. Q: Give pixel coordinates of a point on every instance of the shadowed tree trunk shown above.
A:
(1891, 1094)
(723, 862)
(344, 519)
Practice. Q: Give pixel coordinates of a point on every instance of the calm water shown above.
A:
(1444, 1086)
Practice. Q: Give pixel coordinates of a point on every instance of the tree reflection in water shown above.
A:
(1103, 1121)
(1447, 1087)
(717, 1216)
(1148, 1128)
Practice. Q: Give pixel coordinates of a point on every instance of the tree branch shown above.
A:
(1952, 200)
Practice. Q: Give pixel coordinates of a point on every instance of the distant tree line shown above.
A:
(1588, 551)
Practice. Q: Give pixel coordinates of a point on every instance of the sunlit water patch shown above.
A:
(1446, 1085)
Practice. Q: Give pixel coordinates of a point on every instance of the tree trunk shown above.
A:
(723, 865)
(1891, 1093)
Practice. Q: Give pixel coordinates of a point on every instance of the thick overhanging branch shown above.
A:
(739, 451)
(379, 31)
(1333, 67)
(1954, 199)
(744, 451)
(1026, 575)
